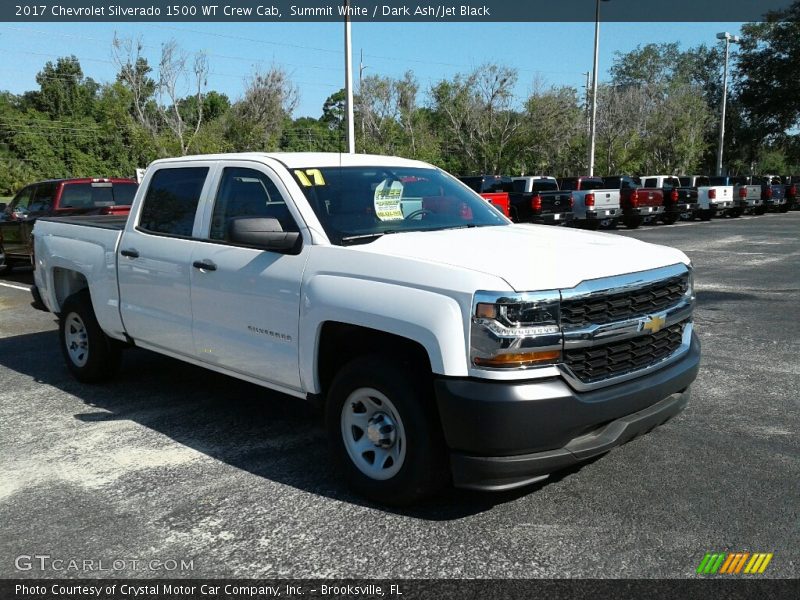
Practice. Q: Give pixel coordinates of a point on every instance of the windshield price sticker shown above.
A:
(388, 198)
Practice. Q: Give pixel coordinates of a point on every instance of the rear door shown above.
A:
(155, 257)
(246, 305)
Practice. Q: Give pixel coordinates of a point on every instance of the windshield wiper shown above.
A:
(366, 237)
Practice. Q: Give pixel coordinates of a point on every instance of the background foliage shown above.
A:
(659, 113)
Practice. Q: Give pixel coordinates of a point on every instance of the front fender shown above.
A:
(432, 320)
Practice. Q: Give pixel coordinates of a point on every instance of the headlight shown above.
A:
(515, 332)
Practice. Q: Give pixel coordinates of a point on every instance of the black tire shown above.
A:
(705, 215)
(760, 210)
(670, 218)
(632, 222)
(424, 469)
(102, 354)
(784, 208)
(592, 225)
(735, 213)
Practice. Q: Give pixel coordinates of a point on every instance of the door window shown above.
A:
(19, 206)
(171, 201)
(247, 193)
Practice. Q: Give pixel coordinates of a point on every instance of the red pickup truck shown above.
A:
(57, 198)
(494, 188)
(638, 204)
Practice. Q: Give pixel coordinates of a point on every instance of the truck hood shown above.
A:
(530, 257)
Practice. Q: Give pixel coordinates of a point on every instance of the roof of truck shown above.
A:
(296, 160)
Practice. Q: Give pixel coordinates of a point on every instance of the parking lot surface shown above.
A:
(173, 462)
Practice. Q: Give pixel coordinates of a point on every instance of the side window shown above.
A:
(171, 201)
(19, 205)
(247, 193)
(76, 195)
(42, 198)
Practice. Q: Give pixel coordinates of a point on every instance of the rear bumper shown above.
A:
(601, 214)
(552, 219)
(504, 435)
(644, 211)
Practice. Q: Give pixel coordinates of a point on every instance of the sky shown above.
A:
(548, 53)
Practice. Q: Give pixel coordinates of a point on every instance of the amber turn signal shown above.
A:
(518, 359)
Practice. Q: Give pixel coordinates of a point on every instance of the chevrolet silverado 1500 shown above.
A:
(712, 199)
(593, 205)
(678, 200)
(383, 289)
(538, 200)
(638, 204)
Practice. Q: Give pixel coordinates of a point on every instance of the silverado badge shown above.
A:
(653, 323)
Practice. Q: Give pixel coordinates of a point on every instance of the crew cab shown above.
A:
(638, 205)
(371, 286)
(494, 188)
(712, 199)
(748, 195)
(593, 205)
(55, 198)
(537, 199)
(678, 200)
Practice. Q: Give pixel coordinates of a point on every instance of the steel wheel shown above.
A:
(373, 434)
(76, 339)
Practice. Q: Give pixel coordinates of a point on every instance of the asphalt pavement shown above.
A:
(170, 462)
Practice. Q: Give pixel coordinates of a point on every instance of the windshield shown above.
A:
(360, 204)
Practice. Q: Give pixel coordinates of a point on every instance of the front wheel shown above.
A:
(91, 356)
(384, 430)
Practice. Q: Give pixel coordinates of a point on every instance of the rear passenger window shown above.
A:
(247, 193)
(171, 201)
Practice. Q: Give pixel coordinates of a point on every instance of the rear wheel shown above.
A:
(632, 222)
(670, 218)
(592, 225)
(735, 213)
(705, 215)
(760, 210)
(784, 208)
(91, 356)
(384, 430)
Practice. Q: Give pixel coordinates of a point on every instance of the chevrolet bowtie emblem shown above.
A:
(653, 323)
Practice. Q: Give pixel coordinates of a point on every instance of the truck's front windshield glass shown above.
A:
(360, 204)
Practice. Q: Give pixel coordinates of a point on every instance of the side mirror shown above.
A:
(263, 233)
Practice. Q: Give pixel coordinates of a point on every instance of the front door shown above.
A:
(246, 302)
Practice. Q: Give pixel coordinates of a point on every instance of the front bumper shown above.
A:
(504, 435)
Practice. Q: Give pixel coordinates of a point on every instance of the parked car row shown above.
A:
(594, 202)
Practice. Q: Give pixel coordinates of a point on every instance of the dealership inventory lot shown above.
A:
(175, 463)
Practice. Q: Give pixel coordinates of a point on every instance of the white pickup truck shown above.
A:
(445, 343)
(713, 199)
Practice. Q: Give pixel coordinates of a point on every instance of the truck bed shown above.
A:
(116, 222)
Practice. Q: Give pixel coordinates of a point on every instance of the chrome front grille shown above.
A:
(620, 305)
(591, 364)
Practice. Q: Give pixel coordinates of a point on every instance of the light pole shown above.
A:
(348, 80)
(729, 39)
(593, 112)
